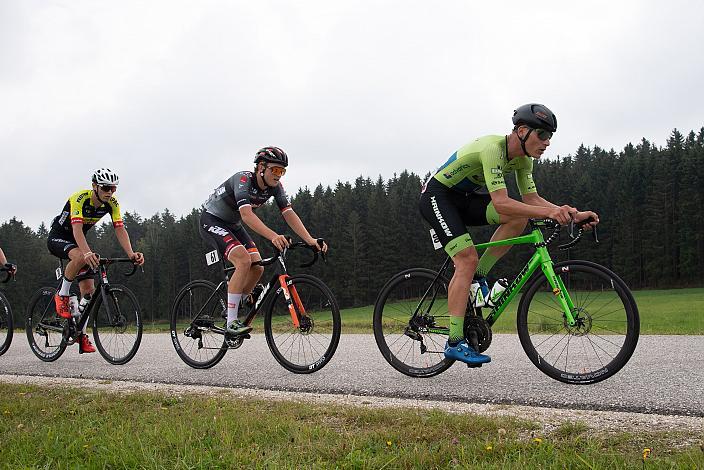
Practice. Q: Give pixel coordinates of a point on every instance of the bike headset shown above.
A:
(534, 116)
(270, 155)
(104, 176)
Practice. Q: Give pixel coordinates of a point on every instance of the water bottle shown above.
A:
(477, 294)
(73, 305)
(83, 304)
(497, 291)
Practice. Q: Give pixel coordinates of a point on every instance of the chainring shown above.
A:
(477, 330)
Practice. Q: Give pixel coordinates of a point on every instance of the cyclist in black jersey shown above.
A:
(231, 204)
(3, 262)
(469, 190)
(67, 240)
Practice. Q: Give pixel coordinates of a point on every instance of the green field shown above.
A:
(78, 428)
(672, 312)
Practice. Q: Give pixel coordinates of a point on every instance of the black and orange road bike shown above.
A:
(301, 317)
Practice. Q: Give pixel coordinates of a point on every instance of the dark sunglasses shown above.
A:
(107, 188)
(543, 134)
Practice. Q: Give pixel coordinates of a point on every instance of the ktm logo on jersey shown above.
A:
(218, 231)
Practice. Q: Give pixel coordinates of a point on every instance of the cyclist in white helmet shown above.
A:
(67, 239)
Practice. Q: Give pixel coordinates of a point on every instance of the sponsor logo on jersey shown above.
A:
(497, 171)
(218, 230)
(80, 198)
(220, 190)
(459, 169)
(243, 179)
(438, 215)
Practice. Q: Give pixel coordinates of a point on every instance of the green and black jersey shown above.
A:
(483, 163)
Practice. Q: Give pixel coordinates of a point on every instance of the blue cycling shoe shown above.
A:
(465, 353)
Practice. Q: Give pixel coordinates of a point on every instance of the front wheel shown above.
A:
(411, 322)
(309, 346)
(117, 324)
(6, 326)
(606, 330)
(45, 329)
(196, 310)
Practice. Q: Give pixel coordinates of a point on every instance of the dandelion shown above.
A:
(537, 440)
(388, 443)
(646, 453)
(489, 448)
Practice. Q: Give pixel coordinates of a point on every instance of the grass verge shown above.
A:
(64, 427)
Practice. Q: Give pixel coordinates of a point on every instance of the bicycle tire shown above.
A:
(44, 327)
(6, 324)
(604, 338)
(393, 311)
(309, 347)
(194, 344)
(117, 338)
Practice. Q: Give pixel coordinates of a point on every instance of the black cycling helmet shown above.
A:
(535, 116)
(271, 155)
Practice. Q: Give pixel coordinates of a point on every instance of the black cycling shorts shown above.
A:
(60, 244)
(223, 236)
(450, 212)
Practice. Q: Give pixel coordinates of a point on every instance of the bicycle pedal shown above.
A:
(474, 366)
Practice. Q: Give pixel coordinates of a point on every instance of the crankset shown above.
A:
(477, 332)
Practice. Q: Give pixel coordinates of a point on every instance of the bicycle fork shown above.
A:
(293, 301)
(558, 287)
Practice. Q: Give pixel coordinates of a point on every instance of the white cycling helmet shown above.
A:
(105, 176)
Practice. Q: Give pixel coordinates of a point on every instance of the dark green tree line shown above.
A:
(649, 200)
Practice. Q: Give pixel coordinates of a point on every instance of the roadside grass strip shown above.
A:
(62, 427)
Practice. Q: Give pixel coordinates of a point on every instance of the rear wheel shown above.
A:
(411, 322)
(604, 337)
(309, 346)
(45, 329)
(196, 310)
(6, 325)
(117, 324)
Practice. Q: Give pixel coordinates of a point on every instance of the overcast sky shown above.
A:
(177, 95)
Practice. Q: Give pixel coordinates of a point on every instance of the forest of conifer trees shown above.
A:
(648, 199)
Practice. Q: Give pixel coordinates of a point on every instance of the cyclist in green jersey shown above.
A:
(469, 190)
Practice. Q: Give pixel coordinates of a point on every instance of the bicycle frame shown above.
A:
(540, 259)
(295, 306)
(103, 286)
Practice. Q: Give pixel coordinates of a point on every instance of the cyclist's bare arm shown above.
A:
(297, 226)
(256, 224)
(124, 239)
(88, 256)
(509, 207)
(3, 260)
(534, 199)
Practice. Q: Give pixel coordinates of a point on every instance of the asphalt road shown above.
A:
(664, 376)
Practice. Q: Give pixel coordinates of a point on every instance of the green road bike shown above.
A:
(577, 320)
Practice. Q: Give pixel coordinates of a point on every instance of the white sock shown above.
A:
(233, 306)
(65, 287)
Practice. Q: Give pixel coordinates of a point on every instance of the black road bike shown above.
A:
(6, 324)
(117, 319)
(301, 318)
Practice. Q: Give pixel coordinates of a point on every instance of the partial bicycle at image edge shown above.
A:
(114, 309)
(577, 320)
(301, 318)
(6, 321)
